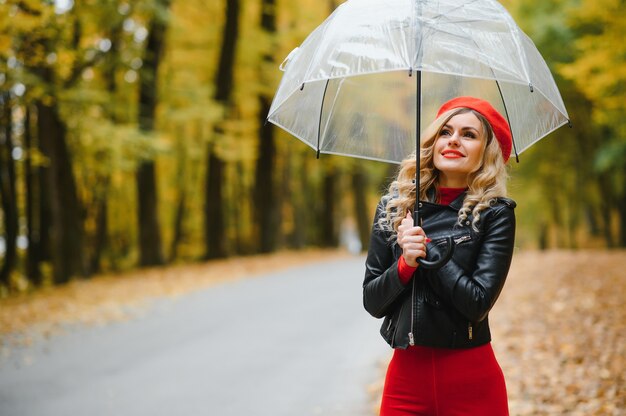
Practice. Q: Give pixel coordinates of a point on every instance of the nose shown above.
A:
(453, 140)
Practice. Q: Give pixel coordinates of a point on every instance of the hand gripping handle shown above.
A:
(437, 264)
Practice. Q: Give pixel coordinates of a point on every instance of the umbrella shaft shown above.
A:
(418, 132)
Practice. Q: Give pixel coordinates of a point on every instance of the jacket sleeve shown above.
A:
(474, 294)
(382, 285)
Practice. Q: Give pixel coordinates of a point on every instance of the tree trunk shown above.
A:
(37, 213)
(284, 201)
(359, 186)
(330, 229)
(298, 237)
(179, 214)
(557, 217)
(66, 213)
(149, 229)
(239, 193)
(543, 236)
(214, 231)
(178, 224)
(225, 71)
(33, 225)
(8, 193)
(101, 236)
(621, 208)
(266, 209)
(605, 208)
(312, 214)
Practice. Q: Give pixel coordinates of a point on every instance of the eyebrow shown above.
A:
(462, 128)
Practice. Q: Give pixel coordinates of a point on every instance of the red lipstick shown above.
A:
(452, 154)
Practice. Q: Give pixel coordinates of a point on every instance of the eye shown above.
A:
(470, 134)
(445, 132)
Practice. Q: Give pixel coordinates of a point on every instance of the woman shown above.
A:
(437, 320)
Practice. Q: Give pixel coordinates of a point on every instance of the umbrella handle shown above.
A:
(437, 264)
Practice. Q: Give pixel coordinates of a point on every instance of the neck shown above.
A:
(447, 180)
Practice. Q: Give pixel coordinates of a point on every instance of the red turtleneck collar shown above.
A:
(447, 195)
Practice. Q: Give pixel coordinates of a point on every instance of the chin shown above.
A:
(449, 165)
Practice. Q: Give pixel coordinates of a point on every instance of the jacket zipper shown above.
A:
(469, 330)
(411, 336)
(462, 239)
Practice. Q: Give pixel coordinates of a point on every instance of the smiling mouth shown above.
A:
(452, 154)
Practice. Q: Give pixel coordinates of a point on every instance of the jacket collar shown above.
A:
(457, 204)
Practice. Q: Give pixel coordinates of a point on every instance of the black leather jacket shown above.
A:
(449, 307)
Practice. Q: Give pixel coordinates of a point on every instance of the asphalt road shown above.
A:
(294, 343)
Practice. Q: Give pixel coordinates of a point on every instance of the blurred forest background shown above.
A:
(133, 134)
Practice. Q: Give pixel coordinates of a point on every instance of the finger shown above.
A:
(409, 218)
(415, 249)
(417, 231)
(413, 239)
(406, 223)
(415, 254)
(413, 231)
(412, 248)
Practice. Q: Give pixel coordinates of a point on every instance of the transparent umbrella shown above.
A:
(364, 82)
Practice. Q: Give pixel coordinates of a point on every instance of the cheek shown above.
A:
(437, 150)
(437, 158)
(436, 162)
(438, 146)
(476, 155)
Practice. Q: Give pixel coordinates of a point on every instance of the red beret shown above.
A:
(498, 123)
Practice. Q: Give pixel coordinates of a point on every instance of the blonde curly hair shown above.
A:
(486, 183)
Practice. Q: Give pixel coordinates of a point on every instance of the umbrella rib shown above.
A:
(319, 127)
(506, 112)
(314, 58)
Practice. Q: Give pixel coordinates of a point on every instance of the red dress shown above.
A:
(443, 382)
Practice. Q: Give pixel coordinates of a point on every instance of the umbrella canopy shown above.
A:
(373, 72)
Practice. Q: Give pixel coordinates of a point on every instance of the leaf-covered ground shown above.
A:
(559, 332)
